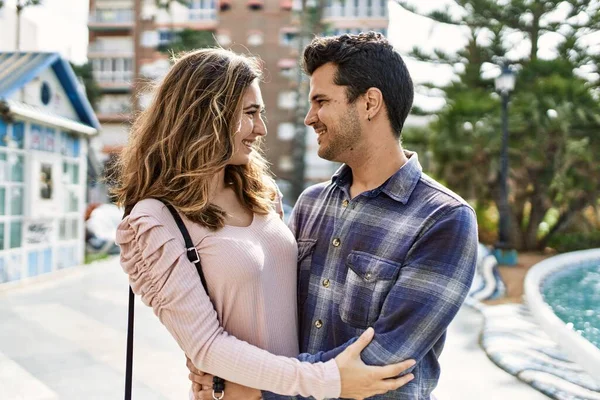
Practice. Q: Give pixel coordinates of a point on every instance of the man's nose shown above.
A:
(311, 117)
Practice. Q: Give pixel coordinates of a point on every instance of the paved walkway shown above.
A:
(64, 338)
(467, 372)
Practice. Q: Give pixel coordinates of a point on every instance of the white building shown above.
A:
(45, 121)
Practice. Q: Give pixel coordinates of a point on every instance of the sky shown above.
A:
(63, 28)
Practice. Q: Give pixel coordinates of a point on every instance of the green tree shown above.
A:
(92, 90)
(554, 112)
(188, 39)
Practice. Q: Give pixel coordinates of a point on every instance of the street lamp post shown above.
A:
(504, 252)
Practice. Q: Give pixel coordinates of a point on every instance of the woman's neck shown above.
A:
(218, 184)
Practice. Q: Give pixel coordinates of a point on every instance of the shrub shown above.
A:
(575, 241)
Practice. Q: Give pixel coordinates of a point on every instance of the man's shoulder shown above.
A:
(434, 194)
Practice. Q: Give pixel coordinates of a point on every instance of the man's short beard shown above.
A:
(347, 135)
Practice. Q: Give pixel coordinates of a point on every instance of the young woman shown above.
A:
(195, 147)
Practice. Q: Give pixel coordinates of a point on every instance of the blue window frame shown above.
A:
(32, 264)
(3, 131)
(47, 261)
(18, 134)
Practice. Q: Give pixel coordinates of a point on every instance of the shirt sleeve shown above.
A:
(433, 283)
(159, 271)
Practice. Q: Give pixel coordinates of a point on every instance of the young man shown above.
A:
(381, 245)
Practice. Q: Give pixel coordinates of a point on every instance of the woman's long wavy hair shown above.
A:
(185, 137)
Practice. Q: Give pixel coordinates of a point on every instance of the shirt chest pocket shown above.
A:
(368, 282)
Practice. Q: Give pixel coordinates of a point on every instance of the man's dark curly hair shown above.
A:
(364, 61)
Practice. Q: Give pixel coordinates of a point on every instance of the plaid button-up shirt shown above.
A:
(399, 258)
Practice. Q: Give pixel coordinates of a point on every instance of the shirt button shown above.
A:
(368, 276)
(326, 283)
(345, 203)
(336, 242)
(318, 324)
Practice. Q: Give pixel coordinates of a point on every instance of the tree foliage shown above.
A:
(188, 39)
(554, 112)
(92, 90)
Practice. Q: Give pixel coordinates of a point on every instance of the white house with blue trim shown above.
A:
(45, 123)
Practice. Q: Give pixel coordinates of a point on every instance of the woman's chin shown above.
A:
(239, 161)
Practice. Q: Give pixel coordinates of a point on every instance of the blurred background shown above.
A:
(506, 113)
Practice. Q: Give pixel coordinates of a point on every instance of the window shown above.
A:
(255, 38)
(16, 233)
(69, 145)
(16, 201)
(202, 10)
(223, 38)
(12, 188)
(255, 4)
(165, 37)
(286, 131)
(285, 163)
(113, 70)
(383, 8)
(287, 100)
(225, 5)
(288, 67)
(71, 181)
(288, 37)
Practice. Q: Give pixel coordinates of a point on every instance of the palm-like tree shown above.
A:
(21, 5)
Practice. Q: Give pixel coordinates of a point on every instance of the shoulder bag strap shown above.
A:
(194, 257)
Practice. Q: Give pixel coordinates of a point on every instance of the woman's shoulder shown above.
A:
(148, 214)
(148, 207)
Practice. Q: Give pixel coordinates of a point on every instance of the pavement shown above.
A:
(63, 337)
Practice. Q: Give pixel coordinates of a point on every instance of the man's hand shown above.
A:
(359, 380)
(202, 386)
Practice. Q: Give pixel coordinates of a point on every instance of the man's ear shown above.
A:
(373, 103)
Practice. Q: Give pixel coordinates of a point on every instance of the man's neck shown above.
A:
(375, 166)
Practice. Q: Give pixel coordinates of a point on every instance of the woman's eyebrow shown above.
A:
(253, 106)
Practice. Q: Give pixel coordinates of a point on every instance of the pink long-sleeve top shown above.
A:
(247, 330)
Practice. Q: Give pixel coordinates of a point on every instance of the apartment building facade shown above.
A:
(266, 28)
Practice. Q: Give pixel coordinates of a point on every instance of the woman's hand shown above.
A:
(359, 380)
(202, 387)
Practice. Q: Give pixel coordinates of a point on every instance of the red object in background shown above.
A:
(286, 4)
(285, 63)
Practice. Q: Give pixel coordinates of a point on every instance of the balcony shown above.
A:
(114, 81)
(203, 14)
(347, 10)
(111, 19)
(107, 118)
(103, 49)
(114, 111)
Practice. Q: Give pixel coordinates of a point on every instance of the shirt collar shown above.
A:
(399, 186)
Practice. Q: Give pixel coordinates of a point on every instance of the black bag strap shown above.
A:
(194, 257)
(192, 253)
(129, 358)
